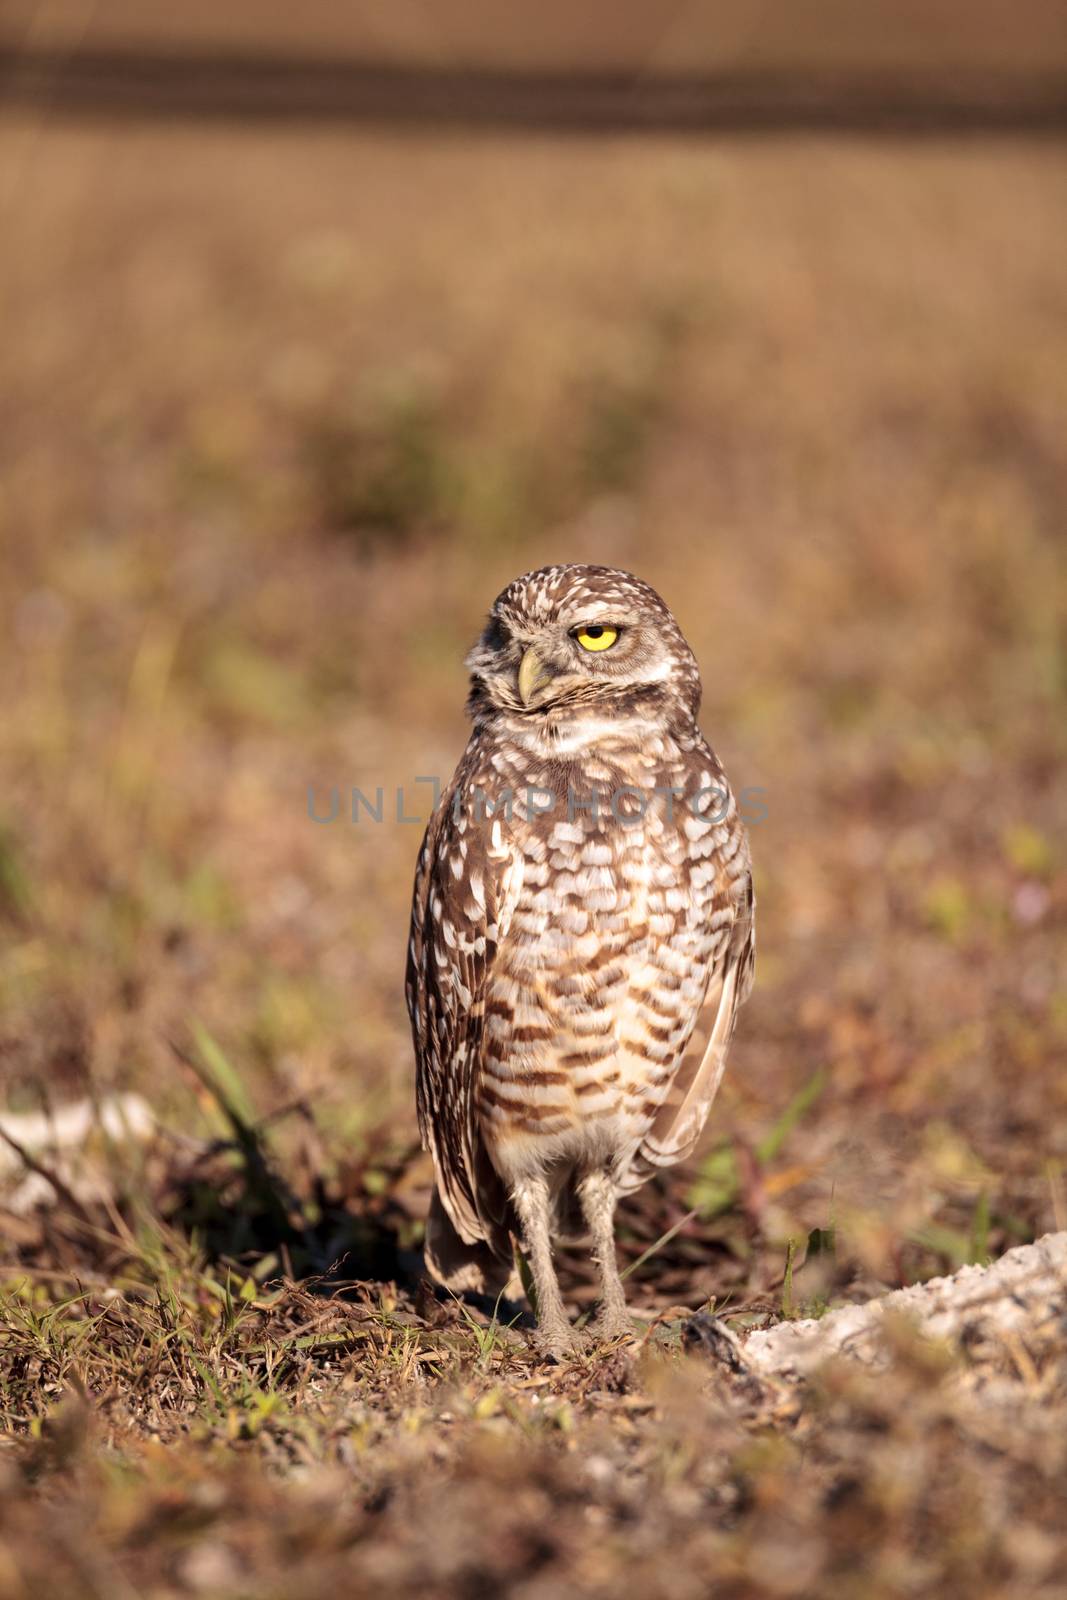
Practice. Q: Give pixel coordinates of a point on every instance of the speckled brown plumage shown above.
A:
(581, 932)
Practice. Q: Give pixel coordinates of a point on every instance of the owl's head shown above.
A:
(574, 637)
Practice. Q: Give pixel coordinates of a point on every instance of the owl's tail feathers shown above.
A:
(480, 1268)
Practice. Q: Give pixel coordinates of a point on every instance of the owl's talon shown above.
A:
(609, 1326)
(556, 1343)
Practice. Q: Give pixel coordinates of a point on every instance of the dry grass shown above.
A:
(279, 414)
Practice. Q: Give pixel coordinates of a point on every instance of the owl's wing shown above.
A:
(680, 1120)
(466, 887)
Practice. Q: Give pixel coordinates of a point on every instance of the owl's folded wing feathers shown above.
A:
(466, 887)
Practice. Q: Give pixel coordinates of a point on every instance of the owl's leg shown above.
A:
(532, 1201)
(596, 1192)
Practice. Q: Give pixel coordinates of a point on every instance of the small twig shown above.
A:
(54, 1274)
(664, 1238)
(65, 1193)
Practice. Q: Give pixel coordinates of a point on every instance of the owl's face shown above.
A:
(577, 637)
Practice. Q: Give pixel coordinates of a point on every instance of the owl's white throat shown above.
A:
(559, 734)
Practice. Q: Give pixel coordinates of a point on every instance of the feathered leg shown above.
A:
(596, 1192)
(532, 1201)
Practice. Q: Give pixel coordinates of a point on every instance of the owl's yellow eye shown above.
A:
(596, 637)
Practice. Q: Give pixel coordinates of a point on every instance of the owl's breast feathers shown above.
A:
(581, 940)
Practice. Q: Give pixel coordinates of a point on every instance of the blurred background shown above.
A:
(321, 324)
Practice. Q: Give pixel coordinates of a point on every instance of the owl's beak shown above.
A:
(532, 674)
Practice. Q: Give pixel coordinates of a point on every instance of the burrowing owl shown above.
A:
(581, 934)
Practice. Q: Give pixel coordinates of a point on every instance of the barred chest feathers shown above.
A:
(620, 905)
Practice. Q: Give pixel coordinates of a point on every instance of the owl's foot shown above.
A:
(555, 1339)
(610, 1322)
